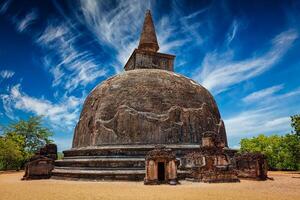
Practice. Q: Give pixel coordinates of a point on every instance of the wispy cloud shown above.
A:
(257, 121)
(4, 6)
(261, 94)
(270, 96)
(233, 31)
(28, 19)
(67, 110)
(5, 74)
(7, 106)
(189, 24)
(219, 71)
(269, 112)
(165, 33)
(70, 66)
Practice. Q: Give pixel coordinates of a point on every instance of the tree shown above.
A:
(296, 124)
(21, 140)
(33, 133)
(291, 146)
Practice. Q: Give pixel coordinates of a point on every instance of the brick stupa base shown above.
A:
(126, 162)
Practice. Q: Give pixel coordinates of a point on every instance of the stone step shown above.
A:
(97, 168)
(99, 171)
(96, 157)
(104, 174)
(106, 152)
(131, 175)
(126, 150)
(112, 162)
(103, 170)
(102, 159)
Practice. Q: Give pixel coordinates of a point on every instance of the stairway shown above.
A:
(109, 162)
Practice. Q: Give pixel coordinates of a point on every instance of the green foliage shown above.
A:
(21, 140)
(34, 134)
(296, 124)
(291, 150)
(282, 151)
(11, 156)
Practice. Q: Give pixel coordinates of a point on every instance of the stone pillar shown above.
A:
(152, 170)
(172, 172)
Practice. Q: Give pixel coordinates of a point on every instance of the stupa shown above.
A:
(136, 113)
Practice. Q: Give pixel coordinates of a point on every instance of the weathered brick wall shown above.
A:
(141, 59)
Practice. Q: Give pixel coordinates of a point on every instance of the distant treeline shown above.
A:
(283, 152)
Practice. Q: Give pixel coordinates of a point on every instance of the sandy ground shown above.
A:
(286, 185)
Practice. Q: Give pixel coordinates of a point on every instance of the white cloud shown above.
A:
(28, 19)
(69, 66)
(66, 111)
(5, 74)
(257, 121)
(191, 15)
(7, 106)
(219, 71)
(234, 28)
(261, 94)
(53, 33)
(164, 31)
(270, 113)
(270, 96)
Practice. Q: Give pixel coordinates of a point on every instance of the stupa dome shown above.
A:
(147, 106)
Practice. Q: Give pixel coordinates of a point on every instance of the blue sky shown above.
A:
(53, 53)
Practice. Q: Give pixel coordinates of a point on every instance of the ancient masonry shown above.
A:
(41, 164)
(149, 123)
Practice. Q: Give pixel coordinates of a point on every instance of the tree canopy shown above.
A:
(20, 140)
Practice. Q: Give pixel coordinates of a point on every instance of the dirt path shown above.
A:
(284, 186)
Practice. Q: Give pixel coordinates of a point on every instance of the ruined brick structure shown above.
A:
(125, 117)
(210, 163)
(41, 164)
(252, 166)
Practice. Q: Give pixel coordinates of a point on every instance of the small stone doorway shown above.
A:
(161, 171)
(161, 166)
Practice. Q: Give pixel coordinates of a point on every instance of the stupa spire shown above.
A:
(148, 40)
(146, 55)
